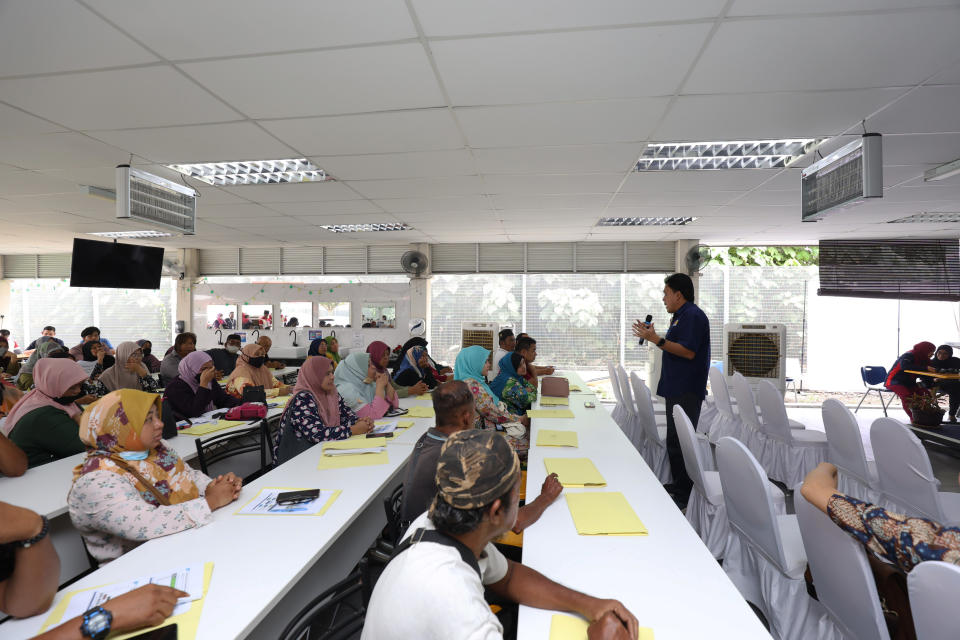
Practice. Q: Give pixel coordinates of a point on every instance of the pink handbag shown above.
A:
(247, 411)
(555, 387)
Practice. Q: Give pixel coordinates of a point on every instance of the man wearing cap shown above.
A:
(433, 587)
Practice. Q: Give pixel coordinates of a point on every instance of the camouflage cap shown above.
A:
(475, 468)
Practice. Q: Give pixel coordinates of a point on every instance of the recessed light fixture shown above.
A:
(930, 217)
(253, 172)
(132, 234)
(352, 228)
(942, 172)
(737, 154)
(664, 221)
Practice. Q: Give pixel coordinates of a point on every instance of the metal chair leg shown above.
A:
(864, 397)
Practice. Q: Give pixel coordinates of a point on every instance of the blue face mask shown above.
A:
(134, 455)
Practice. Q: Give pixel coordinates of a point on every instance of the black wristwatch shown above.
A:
(96, 623)
(44, 530)
(662, 342)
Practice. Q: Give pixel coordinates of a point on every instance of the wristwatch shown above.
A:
(44, 530)
(96, 623)
(662, 342)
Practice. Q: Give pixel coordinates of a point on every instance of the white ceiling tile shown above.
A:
(301, 192)
(184, 29)
(568, 66)
(935, 148)
(555, 183)
(338, 207)
(14, 122)
(213, 195)
(59, 151)
(434, 205)
(561, 124)
(828, 52)
(352, 218)
(589, 158)
(13, 183)
(419, 164)
(143, 97)
(419, 187)
(43, 36)
(780, 7)
(199, 143)
(766, 197)
(924, 110)
(672, 199)
(728, 180)
(75, 203)
(574, 201)
(223, 213)
(422, 130)
(324, 82)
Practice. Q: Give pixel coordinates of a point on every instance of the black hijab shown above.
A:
(88, 351)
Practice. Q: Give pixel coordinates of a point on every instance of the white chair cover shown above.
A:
(907, 483)
(856, 476)
(706, 511)
(631, 426)
(750, 434)
(933, 588)
(708, 413)
(619, 410)
(767, 557)
(654, 447)
(841, 575)
(791, 454)
(726, 423)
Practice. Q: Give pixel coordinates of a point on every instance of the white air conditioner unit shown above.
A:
(757, 351)
(159, 202)
(481, 333)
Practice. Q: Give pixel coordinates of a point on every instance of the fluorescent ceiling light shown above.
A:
(253, 172)
(666, 221)
(942, 172)
(738, 154)
(132, 234)
(352, 228)
(930, 217)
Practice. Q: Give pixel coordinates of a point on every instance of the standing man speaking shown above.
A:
(683, 374)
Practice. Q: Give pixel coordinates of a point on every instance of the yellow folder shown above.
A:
(575, 389)
(401, 424)
(575, 472)
(550, 413)
(550, 401)
(556, 438)
(421, 412)
(345, 462)
(570, 628)
(604, 514)
(211, 427)
(355, 442)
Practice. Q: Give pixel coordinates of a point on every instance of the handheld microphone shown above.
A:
(647, 320)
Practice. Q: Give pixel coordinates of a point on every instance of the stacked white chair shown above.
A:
(791, 454)
(857, 476)
(842, 577)
(726, 422)
(631, 425)
(933, 587)
(706, 512)
(771, 561)
(654, 450)
(618, 411)
(906, 481)
(750, 434)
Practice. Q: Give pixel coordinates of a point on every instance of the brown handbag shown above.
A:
(555, 387)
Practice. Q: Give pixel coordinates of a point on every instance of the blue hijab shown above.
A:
(470, 363)
(410, 360)
(507, 371)
(314, 349)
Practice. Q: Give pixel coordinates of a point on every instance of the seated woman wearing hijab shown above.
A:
(318, 348)
(9, 363)
(251, 371)
(380, 357)
(195, 389)
(45, 346)
(92, 353)
(127, 372)
(333, 350)
(511, 386)
(131, 487)
(44, 423)
(315, 413)
(442, 373)
(367, 392)
(415, 368)
(150, 361)
(472, 366)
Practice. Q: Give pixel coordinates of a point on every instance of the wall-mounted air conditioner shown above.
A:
(158, 202)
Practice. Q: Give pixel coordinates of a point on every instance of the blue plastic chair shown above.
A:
(874, 379)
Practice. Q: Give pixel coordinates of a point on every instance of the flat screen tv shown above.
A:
(113, 265)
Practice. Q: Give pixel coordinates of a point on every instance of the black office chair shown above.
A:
(220, 447)
(169, 418)
(396, 526)
(874, 379)
(336, 613)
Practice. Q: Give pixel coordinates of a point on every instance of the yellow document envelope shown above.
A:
(556, 438)
(550, 401)
(570, 628)
(401, 424)
(421, 412)
(575, 472)
(345, 462)
(211, 427)
(575, 389)
(550, 413)
(355, 442)
(604, 514)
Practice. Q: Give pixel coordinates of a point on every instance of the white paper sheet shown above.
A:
(265, 503)
(189, 579)
(386, 427)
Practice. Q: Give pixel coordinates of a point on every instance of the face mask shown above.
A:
(257, 362)
(232, 348)
(134, 455)
(146, 352)
(65, 400)
(108, 361)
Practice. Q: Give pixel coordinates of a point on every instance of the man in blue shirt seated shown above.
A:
(683, 373)
(47, 331)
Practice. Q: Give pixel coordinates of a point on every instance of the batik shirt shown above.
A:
(302, 420)
(518, 396)
(491, 414)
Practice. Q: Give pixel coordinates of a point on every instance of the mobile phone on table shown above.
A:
(298, 497)
(589, 405)
(168, 632)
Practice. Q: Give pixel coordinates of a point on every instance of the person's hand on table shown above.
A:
(551, 488)
(608, 627)
(418, 389)
(363, 425)
(221, 492)
(146, 606)
(598, 609)
(236, 481)
(547, 371)
(525, 421)
(18, 523)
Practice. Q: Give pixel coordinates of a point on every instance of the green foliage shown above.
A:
(764, 256)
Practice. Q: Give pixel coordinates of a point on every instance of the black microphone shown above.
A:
(648, 320)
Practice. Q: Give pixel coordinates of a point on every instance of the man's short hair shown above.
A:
(233, 336)
(89, 331)
(183, 338)
(50, 327)
(525, 343)
(522, 335)
(504, 334)
(4, 332)
(682, 283)
(449, 399)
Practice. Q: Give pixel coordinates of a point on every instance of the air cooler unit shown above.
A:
(756, 351)
(156, 201)
(481, 333)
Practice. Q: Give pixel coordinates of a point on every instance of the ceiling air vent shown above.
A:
(148, 198)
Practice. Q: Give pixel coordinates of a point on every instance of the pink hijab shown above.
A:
(377, 350)
(188, 369)
(312, 373)
(52, 377)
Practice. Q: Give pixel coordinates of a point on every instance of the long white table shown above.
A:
(668, 579)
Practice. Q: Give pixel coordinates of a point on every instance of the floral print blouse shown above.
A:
(113, 517)
(518, 396)
(94, 387)
(896, 538)
(491, 414)
(302, 420)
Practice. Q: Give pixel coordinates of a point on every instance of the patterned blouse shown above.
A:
(901, 540)
(302, 419)
(518, 396)
(113, 517)
(491, 414)
(94, 387)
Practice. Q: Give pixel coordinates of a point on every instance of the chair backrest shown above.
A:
(393, 508)
(774, 413)
(615, 383)
(844, 440)
(721, 395)
(746, 404)
(688, 445)
(873, 375)
(933, 587)
(841, 574)
(903, 467)
(169, 419)
(645, 413)
(334, 614)
(249, 442)
(629, 402)
(747, 496)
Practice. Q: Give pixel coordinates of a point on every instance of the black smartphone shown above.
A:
(298, 497)
(168, 632)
